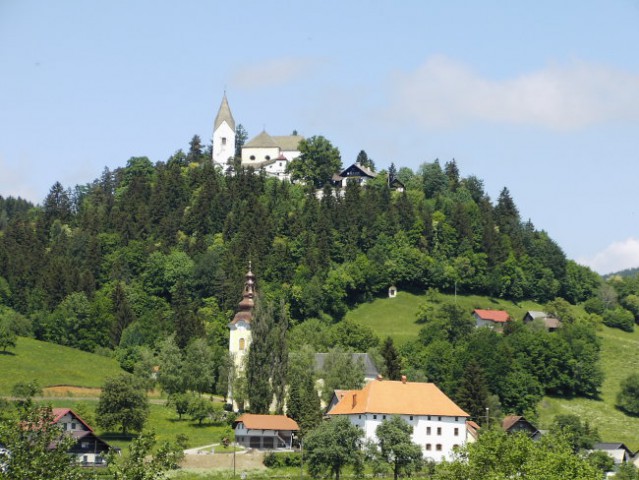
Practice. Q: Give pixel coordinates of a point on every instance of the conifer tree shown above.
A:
(392, 360)
(259, 364)
(472, 393)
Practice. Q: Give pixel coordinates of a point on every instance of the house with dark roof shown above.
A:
(518, 424)
(267, 432)
(439, 424)
(88, 449)
(549, 322)
(355, 173)
(619, 452)
(491, 318)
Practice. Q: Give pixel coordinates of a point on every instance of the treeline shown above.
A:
(149, 250)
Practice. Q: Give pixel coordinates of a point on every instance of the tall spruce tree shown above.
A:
(472, 393)
(392, 360)
(259, 364)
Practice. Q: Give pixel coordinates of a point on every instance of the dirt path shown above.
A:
(249, 460)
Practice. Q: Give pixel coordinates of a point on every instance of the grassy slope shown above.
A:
(620, 356)
(395, 317)
(52, 364)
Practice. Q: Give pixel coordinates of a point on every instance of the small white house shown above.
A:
(491, 318)
(265, 431)
(439, 425)
(88, 449)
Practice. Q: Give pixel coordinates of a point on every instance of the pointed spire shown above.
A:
(224, 115)
(245, 311)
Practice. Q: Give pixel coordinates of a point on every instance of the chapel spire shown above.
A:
(224, 115)
(245, 311)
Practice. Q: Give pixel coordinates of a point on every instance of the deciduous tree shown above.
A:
(123, 404)
(397, 447)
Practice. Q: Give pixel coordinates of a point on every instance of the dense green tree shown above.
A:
(392, 360)
(171, 362)
(123, 404)
(364, 160)
(472, 393)
(200, 409)
(397, 448)
(198, 367)
(303, 402)
(628, 396)
(259, 363)
(317, 163)
(341, 371)
(497, 455)
(332, 446)
(8, 335)
(577, 433)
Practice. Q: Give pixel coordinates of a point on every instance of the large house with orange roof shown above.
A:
(439, 425)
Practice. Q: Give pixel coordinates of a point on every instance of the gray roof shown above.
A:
(261, 141)
(537, 314)
(224, 114)
(356, 166)
(288, 142)
(370, 370)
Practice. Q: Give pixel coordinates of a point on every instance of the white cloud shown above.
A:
(615, 257)
(273, 72)
(443, 92)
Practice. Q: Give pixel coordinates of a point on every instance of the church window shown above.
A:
(223, 140)
(252, 157)
(242, 344)
(268, 157)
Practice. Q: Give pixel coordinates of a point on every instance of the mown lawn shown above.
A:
(51, 364)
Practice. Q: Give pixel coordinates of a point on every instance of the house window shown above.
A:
(223, 140)
(439, 418)
(456, 419)
(242, 344)
(411, 417)
(73, 426)
(384, 417)
(438, 447)
(427, 430)
(456, 432)
(374, 417)
(360, 417)
(281, 164)
(428, 417)
(439, 430)
(428, 447)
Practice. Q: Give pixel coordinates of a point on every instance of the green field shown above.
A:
(51, 364)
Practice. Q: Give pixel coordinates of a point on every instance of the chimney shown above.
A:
(354, 400)
(404, 379)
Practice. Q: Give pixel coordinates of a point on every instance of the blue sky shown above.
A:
(540, 97)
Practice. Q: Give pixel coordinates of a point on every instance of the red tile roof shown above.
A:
(58, 413)
(397, 398)
(498, 316)
(267, 422)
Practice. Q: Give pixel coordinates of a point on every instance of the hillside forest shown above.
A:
(150, 251)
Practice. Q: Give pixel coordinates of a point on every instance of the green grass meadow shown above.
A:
(51, 364)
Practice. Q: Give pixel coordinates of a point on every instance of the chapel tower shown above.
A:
(223, 135)
(240, 326)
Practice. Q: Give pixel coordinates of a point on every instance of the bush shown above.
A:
(619, 318)
(282, 459)
(628, 397)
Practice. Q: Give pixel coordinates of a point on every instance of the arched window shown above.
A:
(242, 344)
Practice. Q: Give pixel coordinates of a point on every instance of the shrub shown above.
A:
(282, 459)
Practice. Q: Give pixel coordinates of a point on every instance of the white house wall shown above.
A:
(447, 436)
(261, 154)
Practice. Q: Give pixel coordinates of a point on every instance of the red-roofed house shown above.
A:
(89, 449)
(265, 431)
(491, 318)
(439, 425)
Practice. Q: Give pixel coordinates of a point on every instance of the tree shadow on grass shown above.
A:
(118, 436)
(7, 353)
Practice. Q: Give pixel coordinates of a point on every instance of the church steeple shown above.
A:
(223, 134)
(247, 303)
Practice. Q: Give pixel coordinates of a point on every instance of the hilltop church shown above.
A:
(272, 154)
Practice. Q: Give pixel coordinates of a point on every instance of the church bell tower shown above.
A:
(223, 135)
